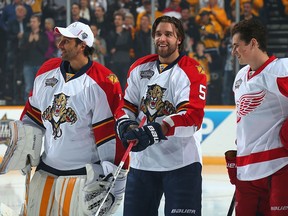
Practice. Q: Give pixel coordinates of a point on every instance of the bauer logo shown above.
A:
(183, 211)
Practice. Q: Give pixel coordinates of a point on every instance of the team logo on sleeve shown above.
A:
(146, 74)
(51, 82)
(153, 105)
(200, 69)
(59, 113)
(113, 78)
(247, 103)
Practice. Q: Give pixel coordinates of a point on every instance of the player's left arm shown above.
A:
(110, 100)
(190, 110)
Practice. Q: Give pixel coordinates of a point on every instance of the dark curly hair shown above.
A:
(252, 28)
(178, 26)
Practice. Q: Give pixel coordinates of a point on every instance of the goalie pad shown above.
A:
(53, 195)
(26, 141)
(5, 131)
(96, 188)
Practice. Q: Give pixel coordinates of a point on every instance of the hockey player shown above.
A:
(168, 88)
(261, 98)
(73, 102)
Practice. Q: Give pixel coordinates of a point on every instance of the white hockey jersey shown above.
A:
(177, 95)
(261, 98)
(78, 115)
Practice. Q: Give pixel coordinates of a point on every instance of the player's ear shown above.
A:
(254, 42)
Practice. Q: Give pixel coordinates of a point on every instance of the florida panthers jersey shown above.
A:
(262, 106)
(174, 93)
(77, 115)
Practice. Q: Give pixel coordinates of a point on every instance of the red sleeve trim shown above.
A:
(282, 83)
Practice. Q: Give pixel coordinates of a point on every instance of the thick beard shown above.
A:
(166, 53)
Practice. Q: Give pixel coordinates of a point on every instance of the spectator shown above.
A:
(49, 30)
(96, 3)
(257, 5)
(129, 23)
(33, 47)
(203, 58)
(124, 6)
(148, 11)
(142, 40)
(173, 9)
(205, 3)
(211, 34)
(101, 21)
(85, 11)
(36, 6)
(14, 65)
(9, 13)
(99, 46)
(75, 11)
(247, 11)
(2, 53)
(194, 6)
(191, 28)
(229, 64)
(119, 43)
(217, 14)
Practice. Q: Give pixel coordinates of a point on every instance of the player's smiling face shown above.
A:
(166, 41)
(69, 48)
(240, 49)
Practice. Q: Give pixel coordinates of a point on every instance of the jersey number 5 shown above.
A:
(202, 92)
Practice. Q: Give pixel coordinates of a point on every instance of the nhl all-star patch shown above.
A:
(238, 83)
(84, 36)
(146, 74)
(51, 82)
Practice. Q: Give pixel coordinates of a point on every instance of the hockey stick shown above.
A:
(117, 172)
(26, 170)
(232, 205)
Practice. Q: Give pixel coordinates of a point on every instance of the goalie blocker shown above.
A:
(25, 141)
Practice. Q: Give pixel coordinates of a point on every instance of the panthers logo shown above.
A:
(59, 114)
(153, 106)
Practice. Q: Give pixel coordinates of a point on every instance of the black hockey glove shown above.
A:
(146, 136)
(123, 126)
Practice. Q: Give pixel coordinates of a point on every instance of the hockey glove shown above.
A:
(146, 136)
(284, 134)
(230, 157)
(96, 187)
(124, 125)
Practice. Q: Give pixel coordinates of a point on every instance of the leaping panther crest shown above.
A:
(153, 105)
(58, 114)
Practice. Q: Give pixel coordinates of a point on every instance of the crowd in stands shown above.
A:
(122, 30)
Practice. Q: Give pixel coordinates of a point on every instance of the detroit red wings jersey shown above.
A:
(78, 115)
(261, 98)
(176, 94)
